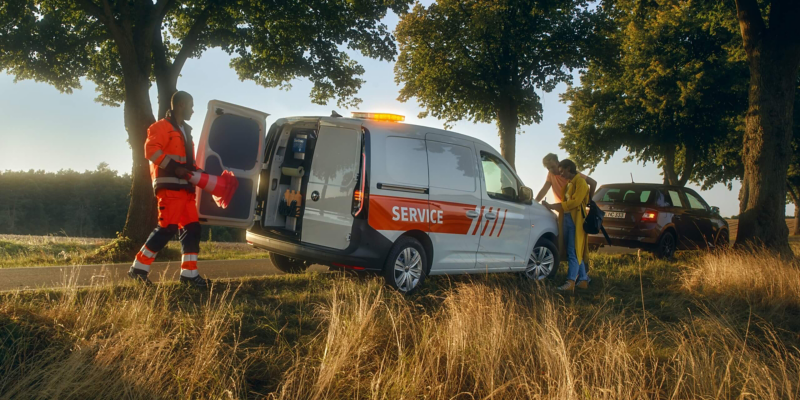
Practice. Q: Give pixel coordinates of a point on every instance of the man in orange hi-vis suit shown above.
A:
(170, 149)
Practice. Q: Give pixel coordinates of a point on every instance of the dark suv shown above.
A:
(659, 218)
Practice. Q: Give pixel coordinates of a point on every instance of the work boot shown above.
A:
(570, 285)
(197, 282)
(139, 275)
(582, 285)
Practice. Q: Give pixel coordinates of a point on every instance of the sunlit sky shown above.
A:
(43, 129)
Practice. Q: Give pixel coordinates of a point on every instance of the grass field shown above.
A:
(30, 251)
(721, 326)
(35, 251)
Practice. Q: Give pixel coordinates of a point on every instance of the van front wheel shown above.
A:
(287, 264)
(406, 265)
(543, 261)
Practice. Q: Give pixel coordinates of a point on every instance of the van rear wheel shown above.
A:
(287, 264)
(406, 266)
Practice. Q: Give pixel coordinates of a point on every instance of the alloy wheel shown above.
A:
(407, 269)
(668, 246)
(540, 263)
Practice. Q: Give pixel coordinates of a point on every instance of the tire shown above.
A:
(543, 262)
(287, 264)
(406, 266)
(723, 240)
(666, 246)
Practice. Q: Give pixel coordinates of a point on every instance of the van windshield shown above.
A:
(633, 196)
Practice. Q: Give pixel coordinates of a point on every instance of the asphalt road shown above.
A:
(92, 275)
(107, 274)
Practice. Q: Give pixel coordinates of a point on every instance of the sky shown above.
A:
(43, 129)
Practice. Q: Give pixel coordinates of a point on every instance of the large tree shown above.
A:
(483, 60)
(771, 36)
(124, 45)
(668, 85)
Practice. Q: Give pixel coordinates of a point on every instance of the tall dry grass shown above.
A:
(506, 341)
(479, 338)
(119, 343)
(760, 278)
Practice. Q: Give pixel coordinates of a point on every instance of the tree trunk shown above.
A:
(507, 121)
(773, 55)
(142, 212)
(767, 152)
(668, 167)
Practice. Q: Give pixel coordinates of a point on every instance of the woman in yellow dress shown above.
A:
(570, 224)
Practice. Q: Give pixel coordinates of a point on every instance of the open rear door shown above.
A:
(328, 218)
(232, 139)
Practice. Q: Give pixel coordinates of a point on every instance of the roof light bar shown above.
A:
(379, 116)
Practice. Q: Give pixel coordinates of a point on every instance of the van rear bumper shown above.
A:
(368, 248)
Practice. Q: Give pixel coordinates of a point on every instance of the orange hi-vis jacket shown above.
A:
(167, 149)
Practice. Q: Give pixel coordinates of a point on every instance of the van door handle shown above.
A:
(490, 215)
(472, 214)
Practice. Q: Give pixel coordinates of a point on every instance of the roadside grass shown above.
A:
(700, 326)
(35, 251)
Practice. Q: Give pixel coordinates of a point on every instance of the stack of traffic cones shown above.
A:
(221, 187)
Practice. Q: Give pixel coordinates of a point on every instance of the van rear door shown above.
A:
(232, 139)
(328, 218)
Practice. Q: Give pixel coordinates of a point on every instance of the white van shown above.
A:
(371, 193)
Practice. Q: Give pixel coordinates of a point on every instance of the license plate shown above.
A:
(615, 214)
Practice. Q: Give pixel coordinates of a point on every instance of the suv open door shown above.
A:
(232, 139)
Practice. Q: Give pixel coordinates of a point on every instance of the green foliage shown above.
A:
(669, 86)
(88, 204)
(60, 41)
(484, 60)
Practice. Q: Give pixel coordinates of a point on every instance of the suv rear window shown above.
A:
(633, 196)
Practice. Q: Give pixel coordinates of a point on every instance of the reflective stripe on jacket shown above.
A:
(167, 149)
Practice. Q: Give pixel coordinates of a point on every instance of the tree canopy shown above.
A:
(669, 87)
(125, 45)
(483, 60)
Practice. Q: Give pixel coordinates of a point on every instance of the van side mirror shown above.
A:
(715, 210)
(525, 195)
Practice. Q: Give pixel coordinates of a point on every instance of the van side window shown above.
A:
(451, 166)
(501, 184)
(407, 161)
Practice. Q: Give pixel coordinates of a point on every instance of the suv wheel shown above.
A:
(406, 265)
(723, 240)
(287, 264)
(666, 246)
(543, 261)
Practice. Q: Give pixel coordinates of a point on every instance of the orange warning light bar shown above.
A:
(379, 116)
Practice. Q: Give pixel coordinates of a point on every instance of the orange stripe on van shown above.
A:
(404, 214)
(483, 232)
(495, 222)
(480, 218)
(502, 224)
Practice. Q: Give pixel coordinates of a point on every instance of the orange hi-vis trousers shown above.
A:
(177, 213)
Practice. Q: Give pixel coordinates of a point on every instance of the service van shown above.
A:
(372, 193)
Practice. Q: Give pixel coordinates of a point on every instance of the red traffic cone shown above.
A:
(221, 187)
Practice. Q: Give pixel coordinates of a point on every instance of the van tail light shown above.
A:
(360, 194)
(650, 216)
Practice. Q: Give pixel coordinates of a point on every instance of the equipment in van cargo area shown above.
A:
(290, 203)
(372, 193)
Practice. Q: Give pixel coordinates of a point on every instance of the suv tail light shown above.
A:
(360, 194)
(650, 216)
